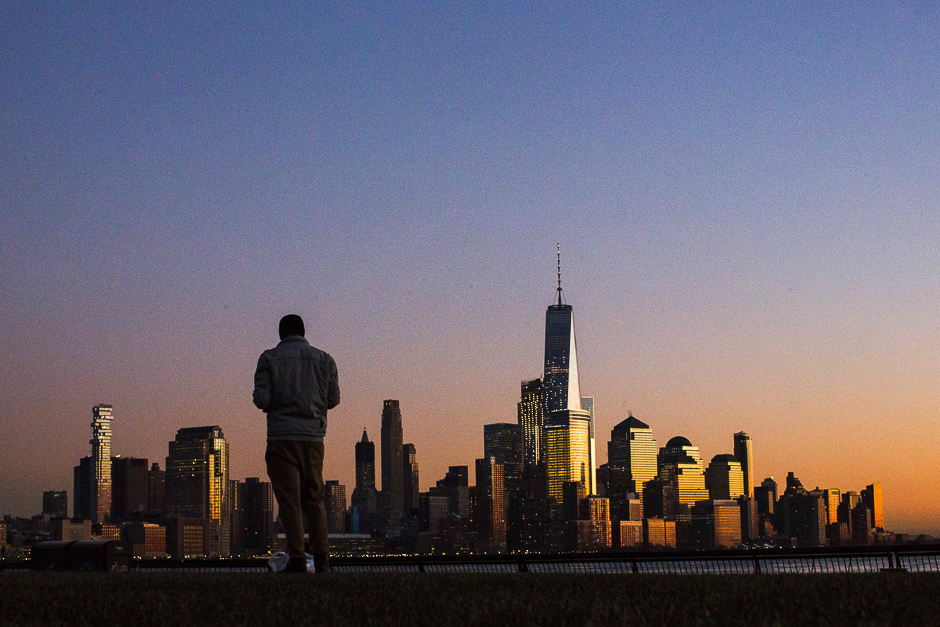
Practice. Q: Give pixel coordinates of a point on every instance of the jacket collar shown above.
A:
(294, 338)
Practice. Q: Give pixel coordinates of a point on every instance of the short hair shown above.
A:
(291, 324)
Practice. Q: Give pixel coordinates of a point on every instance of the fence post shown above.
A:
(633, 562)
(523, 567)
(756, 565)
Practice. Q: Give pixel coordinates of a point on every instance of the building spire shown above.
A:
(559, 273)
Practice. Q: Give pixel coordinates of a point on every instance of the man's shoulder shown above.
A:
(297, 349)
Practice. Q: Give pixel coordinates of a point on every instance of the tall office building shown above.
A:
(587, 404)
(364, 495)
(567, 434)
(197, 484)
(409, 456)
(631, 457)
(680, 464)
(503, 441)
(81, 489)
(744, 453)
(55, 503)
(531, 413)
(99, 492)
(724, 478)
(833, 498)
(560, 383)
(455, 486)
(490, 510)
(567, 425)
(393, 489)
(129, 488)
(256, 515)
(871, 497)
(335, 507)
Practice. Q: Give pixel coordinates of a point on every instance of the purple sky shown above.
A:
(746, 197)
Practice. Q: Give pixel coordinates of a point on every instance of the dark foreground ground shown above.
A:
(143, 599)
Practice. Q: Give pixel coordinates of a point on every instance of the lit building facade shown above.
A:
(531, 414)
(724, 478)
(587, 404)
(568, 437)
(503, 441)
(197, 484)
(631, 457)
(744, 453)
(680, 464)
(871, 497)
(490, 510)
(716, 524)
(100, 485)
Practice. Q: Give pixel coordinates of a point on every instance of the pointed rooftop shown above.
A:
(365, 436)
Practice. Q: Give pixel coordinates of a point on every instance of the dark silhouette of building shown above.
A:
(490, 511)
(766, 497)
(750, 530)
(410, 478)
(801, 515)
(129, 488)
(156, 490)
(455, 486)
(55, 503)
(335, 507)
(197, 484)
(393, 488)
(364, 501)
(81, 489)
(188, 538)
(256, 516)
(660, 500)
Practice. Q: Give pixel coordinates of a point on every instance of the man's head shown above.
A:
(291, 324)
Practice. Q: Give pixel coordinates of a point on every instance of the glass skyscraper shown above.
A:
(631, 457)
(724, 478)
(744, 453)
(99, 492)
(197, 484)
(568, 427)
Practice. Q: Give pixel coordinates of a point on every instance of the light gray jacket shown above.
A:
(295, 384)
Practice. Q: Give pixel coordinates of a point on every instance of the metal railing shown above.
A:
(912, 558)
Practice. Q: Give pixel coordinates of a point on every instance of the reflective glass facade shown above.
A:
(197, 484)
(724, 478)
(560, 381)
(568, 435)
(587, 404)
(631, 457)
(744, 453)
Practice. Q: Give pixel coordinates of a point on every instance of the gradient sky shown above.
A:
(746, 195)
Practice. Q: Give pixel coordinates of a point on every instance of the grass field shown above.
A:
(164, 599)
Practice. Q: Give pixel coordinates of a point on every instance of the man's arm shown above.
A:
(332, 399)
(262, 393)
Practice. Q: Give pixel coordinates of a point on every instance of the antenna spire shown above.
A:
(559, 271)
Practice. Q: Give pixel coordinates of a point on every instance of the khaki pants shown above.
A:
(296, 473)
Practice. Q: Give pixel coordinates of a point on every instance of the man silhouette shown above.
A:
(295, 385)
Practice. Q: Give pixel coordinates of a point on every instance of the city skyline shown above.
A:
(745, 194)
